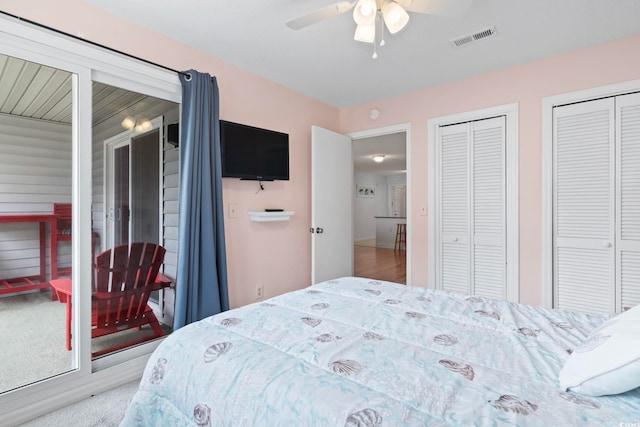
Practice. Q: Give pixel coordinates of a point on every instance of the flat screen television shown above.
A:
(253, 153)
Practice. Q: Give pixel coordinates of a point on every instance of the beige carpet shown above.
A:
(32, 333)
(102, 410)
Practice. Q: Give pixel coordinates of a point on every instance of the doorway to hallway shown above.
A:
(379, 263)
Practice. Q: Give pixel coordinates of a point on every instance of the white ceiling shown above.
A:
(392, 146)
(324, 62)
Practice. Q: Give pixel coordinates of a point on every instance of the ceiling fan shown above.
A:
(393, 13)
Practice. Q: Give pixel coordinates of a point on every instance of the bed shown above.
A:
(361, 352)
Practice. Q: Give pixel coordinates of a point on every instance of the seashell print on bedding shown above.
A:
(202, 415)
(231, 321)
(474, 300)
(313, 292)
(374, 282)
(445, 339)
(346, 367)
(528, 332)
(511, 403)
(592, 343)
(216, 350)
(364, 418)
(491, 314)
(311, 321)
(580, 400)
(157, 374)
(327, 338)
(423, 298)
(392, 301)
(373, 292)
(372, 336)
(415, 315)
(565, 326)
(320, 306)
(460, 368)
(267, 304)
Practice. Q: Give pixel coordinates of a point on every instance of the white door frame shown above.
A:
(510, 111)
(110, 145)
(548, 104)
(406, 128)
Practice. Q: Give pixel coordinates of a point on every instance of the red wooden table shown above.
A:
(63, 291)
(63, 288)
(42, 219)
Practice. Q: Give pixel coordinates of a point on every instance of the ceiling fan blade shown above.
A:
(321, 14)
(451, 8)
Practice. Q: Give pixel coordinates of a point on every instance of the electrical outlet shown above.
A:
(423, 211)
(259, 292)
(233, 210)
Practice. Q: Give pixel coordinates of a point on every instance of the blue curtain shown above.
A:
(201, 276)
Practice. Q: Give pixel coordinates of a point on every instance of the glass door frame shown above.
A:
(87, 64)
(121, 140)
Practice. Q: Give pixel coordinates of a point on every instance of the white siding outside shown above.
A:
(35, 173)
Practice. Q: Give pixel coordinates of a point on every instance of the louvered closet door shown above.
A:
(472, 208)
(454, 208)
(628, 200)
(488, 223)
(584, 190)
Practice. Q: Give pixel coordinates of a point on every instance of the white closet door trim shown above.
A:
(548, 104)
(510, 111)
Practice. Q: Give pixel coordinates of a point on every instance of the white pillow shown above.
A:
(608, 361)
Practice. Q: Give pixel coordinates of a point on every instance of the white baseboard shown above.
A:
(385, 245)
(74, 391)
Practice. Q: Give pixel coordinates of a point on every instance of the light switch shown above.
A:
(423, 211)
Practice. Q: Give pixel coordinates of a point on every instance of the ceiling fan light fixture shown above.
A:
(395, 17)
(365, 33)
(365, 12)
(378, 158)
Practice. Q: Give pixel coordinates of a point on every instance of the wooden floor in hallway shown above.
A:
(380, 263)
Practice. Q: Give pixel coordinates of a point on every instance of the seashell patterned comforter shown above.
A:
(360, 352)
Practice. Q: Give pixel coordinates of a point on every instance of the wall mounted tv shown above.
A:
(253, 153)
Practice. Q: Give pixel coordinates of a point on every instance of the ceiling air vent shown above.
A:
(468, 39)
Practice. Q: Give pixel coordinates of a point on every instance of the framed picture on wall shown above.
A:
(365, 190)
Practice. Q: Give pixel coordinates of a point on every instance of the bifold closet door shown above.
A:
(472, 214)
(454, 208)
(488, 215)
(584, 202)
(628, 203)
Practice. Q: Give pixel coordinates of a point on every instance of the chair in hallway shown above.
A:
(401, 237)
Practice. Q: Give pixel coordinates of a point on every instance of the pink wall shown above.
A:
(277, 255)
(525, 84)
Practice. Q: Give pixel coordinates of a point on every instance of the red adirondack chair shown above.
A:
(125, 278)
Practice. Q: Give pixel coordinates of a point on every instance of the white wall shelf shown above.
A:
(269, 216)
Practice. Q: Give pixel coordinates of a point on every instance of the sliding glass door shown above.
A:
(36, 231)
